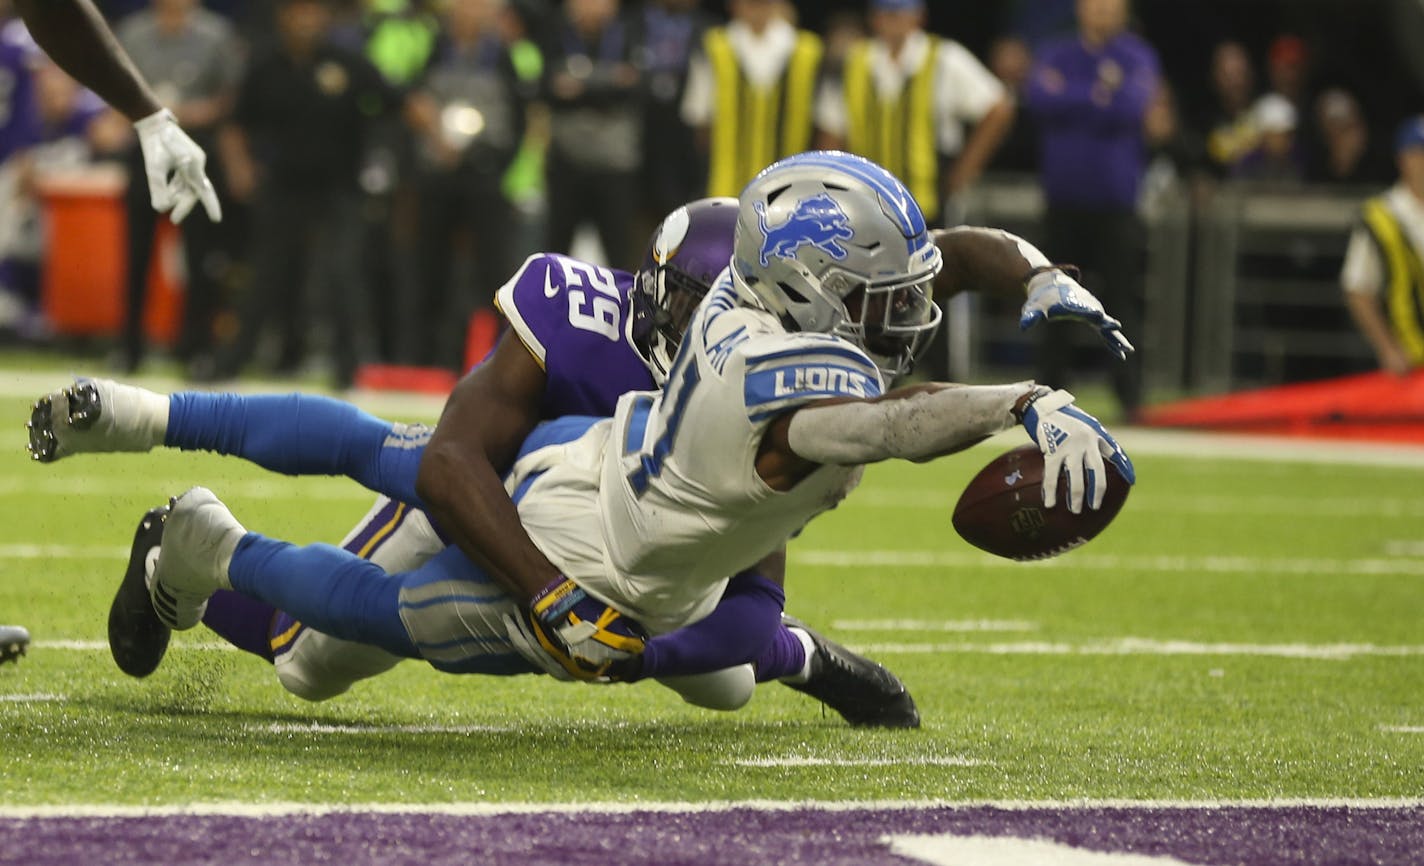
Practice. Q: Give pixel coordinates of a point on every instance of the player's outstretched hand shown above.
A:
(176, 168)
(572, 635)
(1054, 295)
(1075, 442)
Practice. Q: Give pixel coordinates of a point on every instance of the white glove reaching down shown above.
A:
(1075, 442)
(176, 168)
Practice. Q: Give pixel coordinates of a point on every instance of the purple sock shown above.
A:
(241, 621)
(785, 656)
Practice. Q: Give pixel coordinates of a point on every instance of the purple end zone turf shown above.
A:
(1250, 836)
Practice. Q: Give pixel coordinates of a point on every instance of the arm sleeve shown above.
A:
(1362, 271)
(971, 89)
(913, 427)
(736, 632)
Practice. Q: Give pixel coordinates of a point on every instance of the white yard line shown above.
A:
(30, 484)
(1402, 729)
(1081, 560)
(1120, 646)
(319, 728)
(624, 807)
(1138, 646)
(35, 698)
(877, 498)
(794, 761)
(963, 625)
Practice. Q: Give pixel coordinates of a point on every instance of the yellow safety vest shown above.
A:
(755, 126)
(898, 133)
(1404, 268)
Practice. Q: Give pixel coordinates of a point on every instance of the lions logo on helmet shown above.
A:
(817, 221)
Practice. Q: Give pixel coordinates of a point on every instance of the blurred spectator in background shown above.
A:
(1384, 263)
(1230, 125)
(1276, 158)
(1288, 70)
(750, 93)
(1176, 154)
(1091, 93)
(672, 171)
(1348, 153)
(480, 103)
(399, 38)
(1011, 61)
(594, 91)
(295, 149)
(192, 60)
(524, 181)
(67, 127)
(904, 100)
(843, 31)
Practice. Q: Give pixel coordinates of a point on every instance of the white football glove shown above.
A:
(1073, 441)
(1054, 295)
(176, 168)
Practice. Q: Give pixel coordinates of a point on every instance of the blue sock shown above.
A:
(785, 656)
(300, 434)
(324, 587)
(241, 621)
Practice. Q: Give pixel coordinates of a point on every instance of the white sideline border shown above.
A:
(476, 810)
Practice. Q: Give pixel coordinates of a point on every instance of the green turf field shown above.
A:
(1246, 629)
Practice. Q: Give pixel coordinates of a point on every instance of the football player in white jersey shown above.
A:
(774, 402)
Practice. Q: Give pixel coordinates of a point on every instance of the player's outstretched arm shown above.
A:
(74, 35)
(926, 421)
(483, 424)
(999, 263)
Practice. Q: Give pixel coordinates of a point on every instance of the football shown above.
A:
(1001, 510)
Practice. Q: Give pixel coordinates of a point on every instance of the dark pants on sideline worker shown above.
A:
(202, 245)
(1110, 246)
(299, 238)
(607, 199)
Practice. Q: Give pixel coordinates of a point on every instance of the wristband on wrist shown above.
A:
(1022, 404)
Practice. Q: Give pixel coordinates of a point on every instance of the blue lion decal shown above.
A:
(818, 221)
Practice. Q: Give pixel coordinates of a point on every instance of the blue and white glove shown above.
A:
(176, 168)
(1075, 442)
(1055, 295)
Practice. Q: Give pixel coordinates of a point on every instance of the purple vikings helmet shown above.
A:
(689, 249)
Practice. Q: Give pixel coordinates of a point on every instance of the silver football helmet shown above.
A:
(833, 243)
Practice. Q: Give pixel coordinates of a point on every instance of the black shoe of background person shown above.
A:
(862, 691)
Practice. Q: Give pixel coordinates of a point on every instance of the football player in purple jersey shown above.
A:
(74, 35)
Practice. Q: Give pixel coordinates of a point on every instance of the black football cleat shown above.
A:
(14, 641)
(137, 638)
(862, 691)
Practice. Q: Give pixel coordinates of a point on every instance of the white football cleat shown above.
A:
(96, 415)
(199, 538)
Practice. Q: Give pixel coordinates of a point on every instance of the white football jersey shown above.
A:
(655, 510)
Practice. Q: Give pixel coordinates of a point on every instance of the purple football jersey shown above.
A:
(573, 317)
(19, 119)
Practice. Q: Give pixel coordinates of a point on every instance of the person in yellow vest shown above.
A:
(751, 91)
(904, 101)
(1383, 275)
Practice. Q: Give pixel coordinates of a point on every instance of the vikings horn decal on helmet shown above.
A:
(834, 244)
(688, 250)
